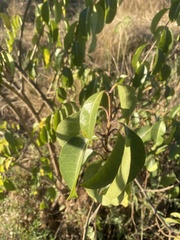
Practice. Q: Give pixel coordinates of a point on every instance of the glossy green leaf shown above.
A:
(70, 161)
(9, 185)
(11, 139)
(165, 72)
(88, 114)
(140, 76)
(175, 214)
(172, 221)
(128, 100)
(68, 128)
(6, 20)
(110, 10)
(44, 135)
(145, 133)
(108, 171)
(70, 35)
(46, 56)
(45, 12)
(174, 111)
(9, 62)
(97, 19)
(168, 179)
(93, 43)
(91, 170)
(165, 42)
(159, 61)
(84, 21)
(58, 10)
(174, 11)
(157, 132)
(97, 196)
(67, 77)
(66, 110)
(119, 183)
(157, 18)
(151, 164)
(78, 52)
(132, 162)
(89, 154)
(54, 31)
(56, 119)
(92, 87)
(61, 94)
(137, 153)
(106, 201)
(136, 56)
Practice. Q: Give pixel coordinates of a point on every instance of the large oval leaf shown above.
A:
(121, 179)
(78, 51)
(145, 133)
(70, 162)
(157, 132)
(137, 153)
(157, 18)
(70, 35)
(159, 61)
(68, 128)
(128, 100)
(89, 113)
(166, 40)
(132, 162)
(45, 12)
(84, 21)
(140, 75)
(136, 56)
(110, 10)
(108, 171)
(97, 19)
(174, 11)
(67, 77)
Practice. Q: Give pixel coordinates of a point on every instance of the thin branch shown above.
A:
(22, 98)
(162, 189)
(153, 208)
(54, 163)
(47, 180)
(16, 111)
(22, 31)
(87, 221)
(34, 86)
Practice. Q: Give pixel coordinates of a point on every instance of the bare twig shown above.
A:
(158, 217)
(162, 189)
(22, 98)
(22, 31)
(90, 218)
(16, 111)
(55, 164)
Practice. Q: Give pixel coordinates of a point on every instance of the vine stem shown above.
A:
(153, 208)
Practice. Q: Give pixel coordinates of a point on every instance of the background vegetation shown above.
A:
(42, 83)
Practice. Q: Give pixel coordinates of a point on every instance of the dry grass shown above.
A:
(130, 28)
